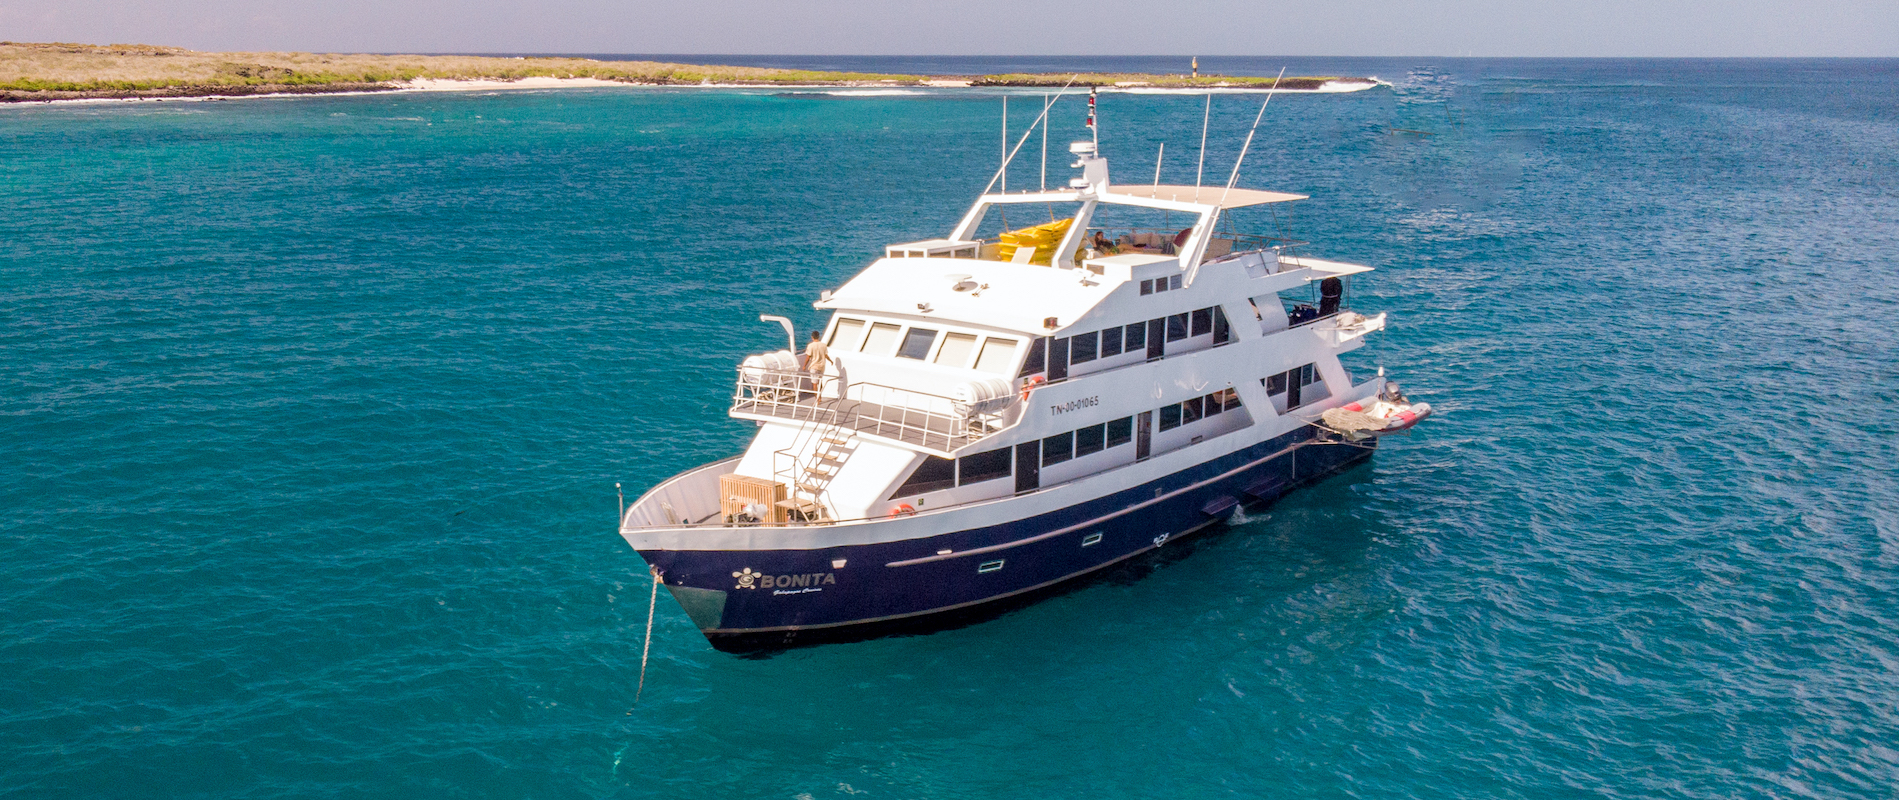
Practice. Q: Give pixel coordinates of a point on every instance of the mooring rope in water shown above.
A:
(648, 647)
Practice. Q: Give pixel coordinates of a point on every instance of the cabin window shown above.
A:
(848, 335)
(1120, 431)
(1058, 448)
(1222, 332)
(882, 339)
(1147, 287)
(1210, 405)
(1300, 385)
(956, 349)
(1170, 417)
(1082, 347)
(1202, 322)
(1135, 337)
(984, 466)
(1190, 411)
(997, 356)
(1176, 327)
(916, 344)
(1173, 281)
(1311, 385)
(932, 475)
(1227, 398)
(1037, 360)
(1092, 439)
(1111, 342)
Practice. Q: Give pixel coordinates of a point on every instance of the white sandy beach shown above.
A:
(449, 85)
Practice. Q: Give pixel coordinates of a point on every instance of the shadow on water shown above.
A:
(1299, 526)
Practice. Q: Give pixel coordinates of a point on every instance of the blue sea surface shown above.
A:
(313, 408)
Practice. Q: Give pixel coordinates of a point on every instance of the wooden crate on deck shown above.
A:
(738, 491)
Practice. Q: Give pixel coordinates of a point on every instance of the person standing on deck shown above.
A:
(816, 355)
(816, 358)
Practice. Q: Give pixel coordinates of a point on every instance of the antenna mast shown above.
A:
(1045, 103)
(1201, 170)
(1005, 143)
(1249, 137)
(1025, 134)
(1093, 128)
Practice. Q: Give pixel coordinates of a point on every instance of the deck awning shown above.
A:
(1203, 195)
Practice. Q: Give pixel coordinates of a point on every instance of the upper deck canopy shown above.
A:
(1201, 195)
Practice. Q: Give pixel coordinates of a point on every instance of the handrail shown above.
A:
(932, 421)
(1265, 242)
(980, 501)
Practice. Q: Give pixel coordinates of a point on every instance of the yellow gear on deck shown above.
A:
(1044, 238)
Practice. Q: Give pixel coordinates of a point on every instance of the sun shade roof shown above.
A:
(1203, 195)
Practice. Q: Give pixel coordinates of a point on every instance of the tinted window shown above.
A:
(1058, 448)
(1176, 327)
(1173, 281)
(1306, 375)
(1211, 405)
(1203, 322)
(1222, 332)
(1037, 360)
(1081, 348)
(1111, 342)
(933, 474)
(1092, 439)
(985, 466)
(1147, 287)
(1136, 338)
(1190, 411)
(916, 343)
(1120, 431)
(1170, 417)
(1276, 384)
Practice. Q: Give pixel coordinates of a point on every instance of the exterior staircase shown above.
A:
(815, 473)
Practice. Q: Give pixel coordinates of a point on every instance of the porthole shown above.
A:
(990, 566)
(1091, 540)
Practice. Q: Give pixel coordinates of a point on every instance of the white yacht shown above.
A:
(1006, 413)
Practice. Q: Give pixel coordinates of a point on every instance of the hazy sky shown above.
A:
(981, 27)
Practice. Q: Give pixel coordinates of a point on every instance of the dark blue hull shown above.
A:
(752, 600)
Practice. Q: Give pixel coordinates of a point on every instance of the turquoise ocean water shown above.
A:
(313, 408)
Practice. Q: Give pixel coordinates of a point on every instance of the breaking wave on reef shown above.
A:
(1329, 87)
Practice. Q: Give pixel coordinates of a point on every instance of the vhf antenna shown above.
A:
(1249, 137)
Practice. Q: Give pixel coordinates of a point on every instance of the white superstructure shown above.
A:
(993, 396)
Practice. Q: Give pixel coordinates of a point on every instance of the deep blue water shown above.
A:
(313, 409)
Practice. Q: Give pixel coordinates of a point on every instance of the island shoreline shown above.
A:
(66, 72)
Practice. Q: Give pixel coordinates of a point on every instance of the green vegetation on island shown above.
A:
(62, 71)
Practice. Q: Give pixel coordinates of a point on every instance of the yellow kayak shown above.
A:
(1044, 238)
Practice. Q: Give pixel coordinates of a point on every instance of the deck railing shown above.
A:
(930, 421)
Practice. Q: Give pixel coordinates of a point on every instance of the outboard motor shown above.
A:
(1331, 291)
